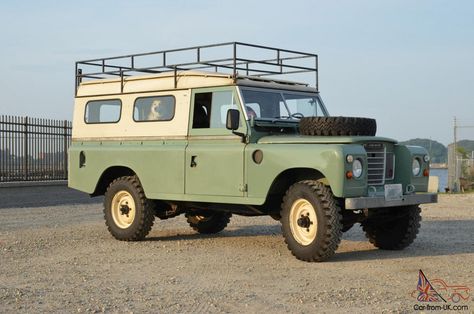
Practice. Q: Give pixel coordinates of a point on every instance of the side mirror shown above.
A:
(233, 119)
(233, 122)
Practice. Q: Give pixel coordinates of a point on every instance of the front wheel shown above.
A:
(455, 297)
(311, 221)
(397, 230)
(129, 215)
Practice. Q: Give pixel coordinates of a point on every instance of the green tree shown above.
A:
(438, 152)
(468, 146)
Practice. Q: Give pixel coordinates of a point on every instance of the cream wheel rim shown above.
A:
(201, 218)
(123, 209)
(303, 222)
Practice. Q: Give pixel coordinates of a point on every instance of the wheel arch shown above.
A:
(109, 175)
(284, 180)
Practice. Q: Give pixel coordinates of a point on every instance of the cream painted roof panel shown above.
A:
(159, 82)
(185, 80)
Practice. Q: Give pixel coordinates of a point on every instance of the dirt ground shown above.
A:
(57, 256)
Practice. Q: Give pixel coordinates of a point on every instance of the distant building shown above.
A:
(460, 170)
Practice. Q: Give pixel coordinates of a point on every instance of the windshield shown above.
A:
(264, 104)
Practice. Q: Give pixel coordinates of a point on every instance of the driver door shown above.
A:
(214, 162)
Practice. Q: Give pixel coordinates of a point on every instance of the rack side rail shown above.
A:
(225, 57)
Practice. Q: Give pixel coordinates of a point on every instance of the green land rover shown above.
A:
(224, 129)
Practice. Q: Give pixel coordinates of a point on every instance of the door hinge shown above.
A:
(243, 187)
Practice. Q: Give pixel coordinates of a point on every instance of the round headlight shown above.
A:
(416, 167)
(357, 168)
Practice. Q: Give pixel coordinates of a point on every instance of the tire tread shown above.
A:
(395, 240)
(333, 234)
(338, 126)
(147, 218)
(217, 223)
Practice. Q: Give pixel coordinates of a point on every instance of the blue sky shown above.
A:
(409, 64)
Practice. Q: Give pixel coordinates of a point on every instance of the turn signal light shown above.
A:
(426, 172)
(349, 174)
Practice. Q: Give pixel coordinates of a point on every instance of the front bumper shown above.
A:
(380, 201)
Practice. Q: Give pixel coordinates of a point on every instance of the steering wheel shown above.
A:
(297, 115)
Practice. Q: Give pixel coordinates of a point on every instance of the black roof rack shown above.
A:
(233, 57)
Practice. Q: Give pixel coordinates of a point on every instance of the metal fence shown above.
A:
(33, 149)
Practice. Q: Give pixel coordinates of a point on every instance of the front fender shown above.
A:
(403, 171)
(327, 159)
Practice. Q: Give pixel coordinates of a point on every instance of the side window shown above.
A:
(103, 111)
(202, 110)
(210, 109)
(158, 108)
(221, 102)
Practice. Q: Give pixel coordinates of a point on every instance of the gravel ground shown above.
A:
(57, 256)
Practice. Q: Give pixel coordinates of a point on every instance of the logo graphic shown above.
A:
(426, 292)
(439, 291)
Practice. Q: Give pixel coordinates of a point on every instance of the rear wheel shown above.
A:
(394, 233)
(311, 221)
(208, 222)
(128, 214)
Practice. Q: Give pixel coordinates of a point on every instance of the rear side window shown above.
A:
(103, 111)
(158, 108)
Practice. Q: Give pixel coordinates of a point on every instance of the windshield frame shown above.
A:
(282, 93)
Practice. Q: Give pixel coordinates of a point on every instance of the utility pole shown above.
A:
(431, 153)
(455, 158)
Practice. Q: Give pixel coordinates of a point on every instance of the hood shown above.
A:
(306, 139)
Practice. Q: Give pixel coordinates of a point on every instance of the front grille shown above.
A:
(376, 157)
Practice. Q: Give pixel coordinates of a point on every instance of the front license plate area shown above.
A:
(393, 192)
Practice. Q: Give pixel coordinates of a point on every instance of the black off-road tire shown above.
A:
(209, 222)
(143, 218)
(347, 227)
(394, 234)
(275, 216)
(337, 126)
(307, 244)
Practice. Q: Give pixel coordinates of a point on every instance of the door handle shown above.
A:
(193, 161)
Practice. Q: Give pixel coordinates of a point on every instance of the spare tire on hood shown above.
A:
(337, 126)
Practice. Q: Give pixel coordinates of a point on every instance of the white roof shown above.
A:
(184, 80)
